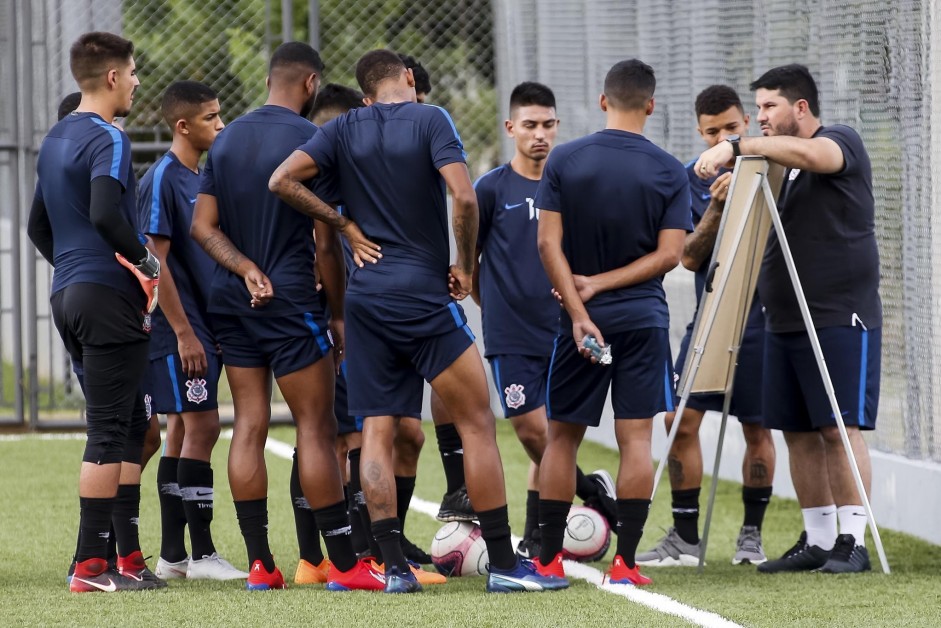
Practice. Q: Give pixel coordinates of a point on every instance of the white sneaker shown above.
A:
(213, 568)
(171, 571)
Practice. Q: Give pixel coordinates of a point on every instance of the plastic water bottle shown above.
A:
(602, 354)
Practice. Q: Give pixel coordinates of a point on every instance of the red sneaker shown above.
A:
(619, 573)
(134, 567)
(362, 576)
(259, 579)
(554, 568)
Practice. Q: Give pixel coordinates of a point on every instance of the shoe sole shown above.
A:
(217, 578)
(748, 561)
(447, 517)
(607, 481)
(685, 560)
(516, 588)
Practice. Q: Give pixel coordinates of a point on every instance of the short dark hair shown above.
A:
(294, 61)
(717, 99)
(336, 99)
(795, 83)
(375, 67)
(531, 93)
(69, 104)
(93, 54)
(182, 99)
(629, 84)
(422, 79)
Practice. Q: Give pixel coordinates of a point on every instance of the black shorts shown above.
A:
(91, 314)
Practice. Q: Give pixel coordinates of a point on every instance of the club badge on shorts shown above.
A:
(147, 406)
(515, 397)
(196, 390)
(146, 325)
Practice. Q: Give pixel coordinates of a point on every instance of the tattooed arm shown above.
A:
(205, 230)
(288, 183)
(699, 244)
(465, 222)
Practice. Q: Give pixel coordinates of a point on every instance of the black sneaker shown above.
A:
(605, 499)
(801, 557)
(847, 557)
(456, 506)
(529, 547)
(414, 553)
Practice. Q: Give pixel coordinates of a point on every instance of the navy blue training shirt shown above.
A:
(831, 229)
(79, 148)
(520, 315)
(165, 201)
(616, 191)
(384, 160)
(271, 233)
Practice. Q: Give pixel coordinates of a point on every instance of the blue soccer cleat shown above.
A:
(522, 577)
(398, 582)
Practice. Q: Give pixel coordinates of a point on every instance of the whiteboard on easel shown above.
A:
(736, 261)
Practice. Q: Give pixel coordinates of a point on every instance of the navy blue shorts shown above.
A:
(171, 391)
(520, 381)
(640, 377)
(394, 343)
(795, 399)
(746, 393)
(346, 423)
(284, 343)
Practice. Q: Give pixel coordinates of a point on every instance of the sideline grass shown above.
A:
(39, 514)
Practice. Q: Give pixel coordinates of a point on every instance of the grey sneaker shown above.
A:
(748, 549)
(671, 551)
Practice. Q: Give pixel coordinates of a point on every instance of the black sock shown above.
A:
(632, 515)
(334, 525)
(756, 502)
(195, 478)
(532, 514)
(172, 515)
(126, 518)
(112, 544)
(357, 532)
(388, 534)
(452, 455)
(584, 487)
(93, 528)
(404, 488)
(253, 522)
(495, 528)
(686, 514)
(360, 499)
(305, 523)
(553, 515)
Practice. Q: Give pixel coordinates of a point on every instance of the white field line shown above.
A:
(50, 436)
(655, 601)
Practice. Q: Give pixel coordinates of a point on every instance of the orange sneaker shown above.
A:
(619, 573)
(363, 576)
(308, 573)
(554, 568)
(259, 579)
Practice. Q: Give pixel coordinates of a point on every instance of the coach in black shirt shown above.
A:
(827, 211)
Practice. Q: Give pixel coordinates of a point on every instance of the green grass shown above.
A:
(39, 514)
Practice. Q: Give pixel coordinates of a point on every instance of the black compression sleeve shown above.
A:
(105, 215)
(39, 229)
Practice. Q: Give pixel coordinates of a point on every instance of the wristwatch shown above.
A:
(734, 140)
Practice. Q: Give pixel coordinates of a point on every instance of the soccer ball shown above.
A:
(459, 550)
(587, 535)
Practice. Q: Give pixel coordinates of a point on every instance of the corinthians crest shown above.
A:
(196, 390)
(515, 397)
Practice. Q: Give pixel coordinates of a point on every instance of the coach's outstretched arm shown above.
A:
(205, 230)
(814, 154)
(560, 276)
(465, 220)
(287, 182)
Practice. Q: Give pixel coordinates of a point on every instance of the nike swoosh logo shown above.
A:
(203, 493)
(108, 588)
(377, 576)
(706, 196)
(508, 206)
(192, 200)
(133, 577)
(827, 514)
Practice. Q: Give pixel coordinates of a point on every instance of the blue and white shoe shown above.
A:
(398, 582)
(522, 577)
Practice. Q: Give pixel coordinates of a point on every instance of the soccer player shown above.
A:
(422, 78)
(828, 213)
(81, 217)
(268, 318)
(391, 162)
(614, 212)
(720, 115)
(183, 378)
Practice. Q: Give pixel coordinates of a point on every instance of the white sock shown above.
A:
(820, 525)
(853, 521)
